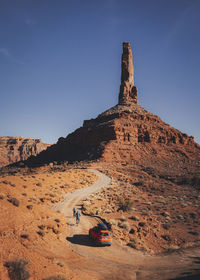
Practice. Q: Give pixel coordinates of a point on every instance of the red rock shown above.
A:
(128, 133)
(14, 149)
(128, 92)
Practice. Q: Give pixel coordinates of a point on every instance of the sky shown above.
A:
(60, 62)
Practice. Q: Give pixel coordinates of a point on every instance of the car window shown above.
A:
(105, 234)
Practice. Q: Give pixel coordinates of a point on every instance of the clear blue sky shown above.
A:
(60, 62)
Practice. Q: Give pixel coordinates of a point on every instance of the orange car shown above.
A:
(101, 234)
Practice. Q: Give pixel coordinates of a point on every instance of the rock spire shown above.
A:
(128, 92)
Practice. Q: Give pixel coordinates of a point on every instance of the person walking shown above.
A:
(77, 217)
(74, 212)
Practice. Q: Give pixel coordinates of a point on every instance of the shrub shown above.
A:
(54, 278)
(12, 185)
(125, 204)
(134, 218)
(173, 248)
(195, 233)
(193, 215)
(41, 233)
(65, 163)
(165, 214)
(25, 236)
(139, 183)
(141, 224)
(123, 219)
(195, 181)
(125, 225)
(56, 231)
(132, 245)
(85, 205)
(17, 270)
(6, 182)
(166, 226)
(14, 201)
(113, 222)
(132, 231)
(41, 227)
(166, 237)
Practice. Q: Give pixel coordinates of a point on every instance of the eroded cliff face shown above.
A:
(128, 92)
(142, 138)
(127, 133)
(14, 149)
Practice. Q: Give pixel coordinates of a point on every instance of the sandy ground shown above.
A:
(117, 261)
(30, 231)
(54, 245)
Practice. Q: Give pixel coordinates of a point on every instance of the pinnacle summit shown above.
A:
(128, 92)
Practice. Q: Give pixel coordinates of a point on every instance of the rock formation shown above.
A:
(14, 149)
(128, 92)
(127, 133)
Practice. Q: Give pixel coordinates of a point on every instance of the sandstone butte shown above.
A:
(127, 133)
(153, 165)
(14, 149)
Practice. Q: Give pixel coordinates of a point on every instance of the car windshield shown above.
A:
(105, 234)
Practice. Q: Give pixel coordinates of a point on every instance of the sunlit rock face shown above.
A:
(14, 149)
(127, 133)
(128, 92)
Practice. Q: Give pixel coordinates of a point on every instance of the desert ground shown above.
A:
(155, 233)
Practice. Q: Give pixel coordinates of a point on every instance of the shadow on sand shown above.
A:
(82, 239)
(192, 275)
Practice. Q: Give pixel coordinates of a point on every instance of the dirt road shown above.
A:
(120, 262)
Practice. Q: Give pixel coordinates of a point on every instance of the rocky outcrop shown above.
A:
(128, 92)
(127, 133)
(14, 149)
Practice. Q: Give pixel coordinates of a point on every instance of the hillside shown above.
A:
(147, 191)
(127, 133)
(14, 149)
(151, 161)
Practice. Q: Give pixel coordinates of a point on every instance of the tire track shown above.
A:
(117, 261)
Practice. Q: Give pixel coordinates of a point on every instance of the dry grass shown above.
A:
(17, 269)
(125, 225)
(33, 224)
(125, 204)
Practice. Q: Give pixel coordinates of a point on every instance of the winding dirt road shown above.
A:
(120, 262)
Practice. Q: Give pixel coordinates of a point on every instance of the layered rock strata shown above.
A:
(127, 133)
(128, 92)
(14, 149)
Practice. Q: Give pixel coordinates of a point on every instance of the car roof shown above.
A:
(102, 226)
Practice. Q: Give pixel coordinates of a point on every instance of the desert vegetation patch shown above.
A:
(32, 235)
(146, 212)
